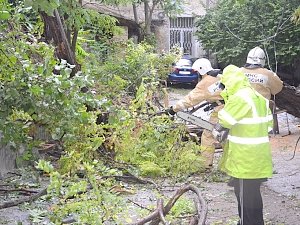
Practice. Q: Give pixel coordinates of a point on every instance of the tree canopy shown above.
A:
(232, 28)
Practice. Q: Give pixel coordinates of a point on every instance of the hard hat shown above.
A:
(256, 56)
(202, 66)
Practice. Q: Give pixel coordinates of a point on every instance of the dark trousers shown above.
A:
(250, 204)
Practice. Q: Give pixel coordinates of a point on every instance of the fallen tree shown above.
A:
(289, 99)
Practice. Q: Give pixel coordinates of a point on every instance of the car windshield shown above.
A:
(184, 62)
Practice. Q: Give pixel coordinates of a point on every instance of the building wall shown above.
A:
(161, 26)
(192, 8)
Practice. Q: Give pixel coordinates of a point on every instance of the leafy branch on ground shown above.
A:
(104, 109)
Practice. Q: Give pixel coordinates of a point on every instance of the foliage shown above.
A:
(182, 207)
(162, 154)
(173, 7)
(32, 96)
(133, 63)
(37, 92)
(115, 2)
(131, 130)
(47, 6)
(77, 17)
(4, 15)
(169, 7)
(88, 200)
(45, 166)
(296, 16)
(232, 29)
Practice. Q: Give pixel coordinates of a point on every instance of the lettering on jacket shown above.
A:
(257, 78)
(213, 88)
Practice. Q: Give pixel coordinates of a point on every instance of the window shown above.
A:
(181, 33)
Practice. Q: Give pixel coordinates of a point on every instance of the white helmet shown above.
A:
(256, 56)
(202, 66)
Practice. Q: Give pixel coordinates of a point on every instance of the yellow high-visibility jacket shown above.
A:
(247, 151)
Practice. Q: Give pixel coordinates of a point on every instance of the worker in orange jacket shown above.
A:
(264, 81)
(206, 90)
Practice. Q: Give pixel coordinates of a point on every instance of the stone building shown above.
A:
(178, 30)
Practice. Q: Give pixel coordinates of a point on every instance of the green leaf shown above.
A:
(36, 90)
(4, 15)
(45, 166)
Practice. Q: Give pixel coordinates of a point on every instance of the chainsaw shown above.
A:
(217, 130)
(195, 120)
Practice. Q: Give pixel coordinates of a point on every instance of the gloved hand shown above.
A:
(170, 111)
(220, 133)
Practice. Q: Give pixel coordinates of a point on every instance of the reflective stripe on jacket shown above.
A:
(247, 152)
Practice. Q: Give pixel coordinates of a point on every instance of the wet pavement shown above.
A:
(281, 194)
(286, 159)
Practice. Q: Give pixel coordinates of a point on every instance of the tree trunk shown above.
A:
(147, 19)
(297, 72)
(136, 19)
(289, 99)
(54, 32)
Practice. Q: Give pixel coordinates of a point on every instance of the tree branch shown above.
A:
(160, 207)
(17, 190)
(157, 216)
(70, 59)
(22, 200)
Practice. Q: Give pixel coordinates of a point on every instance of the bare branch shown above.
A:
(22, 200)
(17, 190)
(158, 214)
(160, 207)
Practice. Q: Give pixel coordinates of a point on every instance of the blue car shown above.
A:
(183, 73)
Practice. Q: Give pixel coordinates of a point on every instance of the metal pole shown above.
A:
(241, 181)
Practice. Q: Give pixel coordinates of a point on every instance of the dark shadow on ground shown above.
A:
(182, 86)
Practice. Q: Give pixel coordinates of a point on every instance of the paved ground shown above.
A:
(281, 194)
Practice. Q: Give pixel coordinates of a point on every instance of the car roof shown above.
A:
(184, 62)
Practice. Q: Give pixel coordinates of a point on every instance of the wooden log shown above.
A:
(289, 99)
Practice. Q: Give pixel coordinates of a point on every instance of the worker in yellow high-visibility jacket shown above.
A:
(247, 152)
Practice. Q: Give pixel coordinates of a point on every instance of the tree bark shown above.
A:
(136, 19)
(69, 53)
(147, 18)
(54, 32)
(289, 99)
